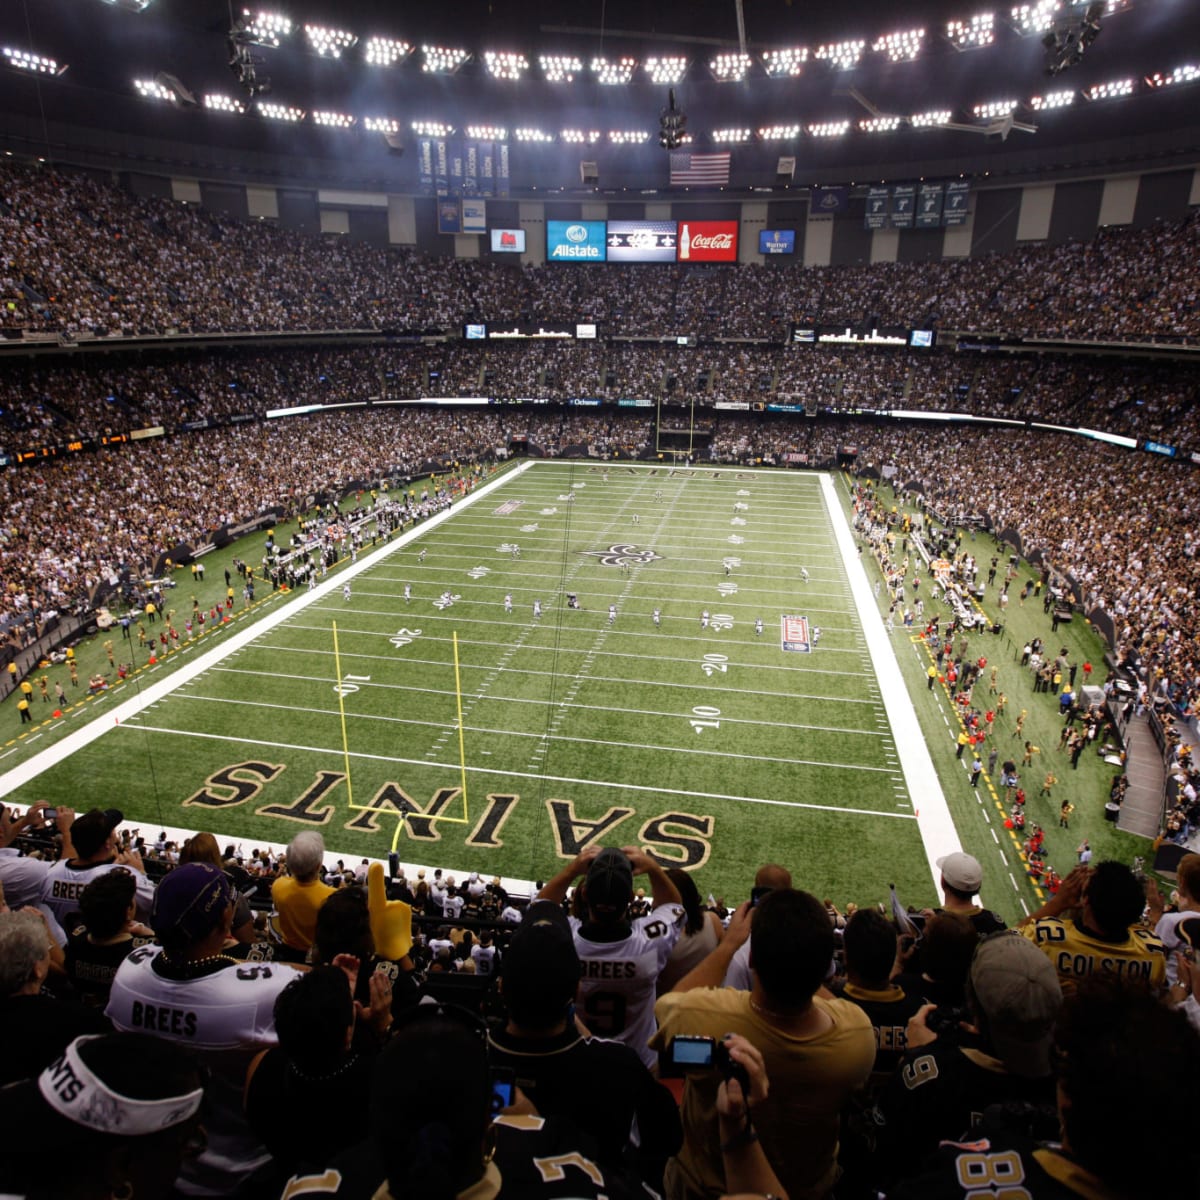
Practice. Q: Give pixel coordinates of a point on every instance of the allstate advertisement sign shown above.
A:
(575, 241)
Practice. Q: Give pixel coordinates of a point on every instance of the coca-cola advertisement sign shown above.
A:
(708, 241)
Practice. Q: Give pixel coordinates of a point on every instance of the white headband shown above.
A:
(72, 1089)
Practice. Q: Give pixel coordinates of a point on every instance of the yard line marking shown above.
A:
(1015, 888)
(668, 714)
(454, 766)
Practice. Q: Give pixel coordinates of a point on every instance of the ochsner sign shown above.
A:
(708, 241)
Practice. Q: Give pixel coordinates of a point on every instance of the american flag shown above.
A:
(688, 170)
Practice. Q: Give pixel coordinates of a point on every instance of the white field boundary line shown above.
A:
(454, 766)
(489, 699)
(618, 679)
(152, 693)
(938, 834)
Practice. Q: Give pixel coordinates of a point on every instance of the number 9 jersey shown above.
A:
(621, 965)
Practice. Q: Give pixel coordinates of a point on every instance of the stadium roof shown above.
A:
(1125, 96)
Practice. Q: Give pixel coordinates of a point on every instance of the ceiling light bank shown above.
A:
(443, 60)
(560, 68)
(35, 64)
(1052, 100)
(332, 120)
(329, 43)
(263, 28)
(827, 129)
(931, 119)
(385, 52)
(504, 65)
(612, 72)
(786, 63)
(668, 69)
(974, 32)
(381, 124)
(731, 136)
(842, 55)
(879, 124)
(279, 112)
(1188, 74)
(580, 136)
(904, 46)
(729, 68)
(148, 89)
(219, 102)
(432, 129)
(779, 133)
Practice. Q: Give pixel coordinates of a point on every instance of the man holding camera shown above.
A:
(816, 1049)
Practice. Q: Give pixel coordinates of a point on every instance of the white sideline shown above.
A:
(938, 834)
(150, 694)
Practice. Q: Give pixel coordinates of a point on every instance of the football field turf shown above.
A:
(714, 745)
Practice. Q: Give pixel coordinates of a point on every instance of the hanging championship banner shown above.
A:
(929, 206)
(487, 168)
(954, 210)
(471, 169)
(875, 216)
(904, 199)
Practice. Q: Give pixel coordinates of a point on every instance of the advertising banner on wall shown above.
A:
(777, 241)
(487, 168)
(575, 241)
(457, 167)
(707, 241)
(474, 216)
(502, 170)
(441, 167)
(425, 165)
(471, 169)
(449, 216)
(829, 200)
(642, 241)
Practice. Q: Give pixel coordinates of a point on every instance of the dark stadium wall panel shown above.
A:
(920, 245)
(564, 210)
(146, 185)
(504, 214)
(708, 210)
(369, 225)
(996, 216)
(851, 242)
(298, 210)
(1162, 197)
(1076, 211)
(225, 197)
(626, 210)
(429, 241)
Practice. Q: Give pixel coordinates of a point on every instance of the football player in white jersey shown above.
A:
(621, 959)
(93, 837)
(188, 991)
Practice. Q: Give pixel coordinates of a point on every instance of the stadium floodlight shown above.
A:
(1110, 91)
(825, 129)
(560, 68)
(785, 63)
(731, 135)
(729, 68)
(879, 124)
(930, 119)
(333, 120)
(504, 64)
(432, 129)
(381, 124)
(149, 89)
(487, 133)
(970, 34)
(665, 69)
(1034, 18)
(994, 109)
(219, 102)
(779, 133)
(263, 28)
(613, 72)
(842, 55)
(134, 6)
(35, 64)
(279, 112)
(628, 137)
(580, 136)
(329, 43)
(385, 51)
(1052, 100)
(443, 60)
(526, 134)
(1188, 74)
(904, 46)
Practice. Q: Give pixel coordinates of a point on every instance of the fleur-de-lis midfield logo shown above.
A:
(624, 555)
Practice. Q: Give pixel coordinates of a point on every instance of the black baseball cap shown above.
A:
(609, 886)
(541, 955)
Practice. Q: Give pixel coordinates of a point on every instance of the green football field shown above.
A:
(713, 745)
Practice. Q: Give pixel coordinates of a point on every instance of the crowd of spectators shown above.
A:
(83, 257)
(341, 1041)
